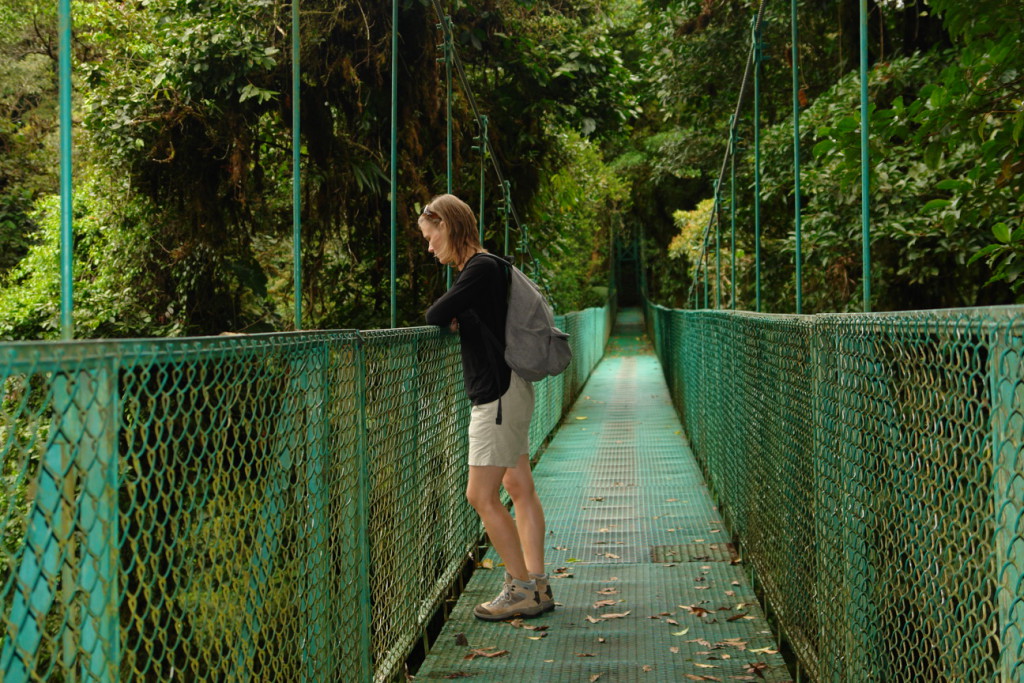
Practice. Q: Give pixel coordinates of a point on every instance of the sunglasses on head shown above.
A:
(430, 214)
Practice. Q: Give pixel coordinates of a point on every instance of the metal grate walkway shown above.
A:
(632, 531)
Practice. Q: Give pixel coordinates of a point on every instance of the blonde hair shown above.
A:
(456, 219)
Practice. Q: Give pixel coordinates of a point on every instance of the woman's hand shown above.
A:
(454, 325)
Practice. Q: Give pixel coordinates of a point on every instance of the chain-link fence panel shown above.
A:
(872, 468)
(285, 507)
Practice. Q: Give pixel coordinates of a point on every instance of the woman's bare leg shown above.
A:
(482, 493)
(529, 519)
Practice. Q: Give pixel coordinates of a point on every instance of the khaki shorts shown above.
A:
(501, 445)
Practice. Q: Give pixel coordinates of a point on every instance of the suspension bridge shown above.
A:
(731, 495)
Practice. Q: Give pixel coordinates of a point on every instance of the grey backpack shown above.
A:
(534, 347)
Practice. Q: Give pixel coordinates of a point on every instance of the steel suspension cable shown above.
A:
(67, 329)
(486, 147)
(725, 159)
(296, 181)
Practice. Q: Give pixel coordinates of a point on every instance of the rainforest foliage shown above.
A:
(609, 118)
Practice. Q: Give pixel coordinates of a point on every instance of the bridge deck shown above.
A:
(634, 533)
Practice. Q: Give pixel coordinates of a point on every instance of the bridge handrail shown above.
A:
(871, 467)
(247, 507)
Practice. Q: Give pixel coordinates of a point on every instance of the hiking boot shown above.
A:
(547, 599)
(517, 599)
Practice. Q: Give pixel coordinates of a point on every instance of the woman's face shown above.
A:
(437, 240)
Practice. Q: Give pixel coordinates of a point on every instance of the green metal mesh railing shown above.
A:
(269, 508)
(872, 468)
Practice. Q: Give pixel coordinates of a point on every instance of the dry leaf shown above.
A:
(608, 591)
(672, 621)
(681, 633)
(611, 556)
(614, 616)
(543, 635)
(705, 666)
(736, 617)
(585, 654)
(460, 639)
(602, 640)
(765, 650)
(482, 652)
(595, 677)
(487, 563)
(598, 499)
(604, 603)
(646, 668)
(581, 417)
(593, 620)
(674, 650)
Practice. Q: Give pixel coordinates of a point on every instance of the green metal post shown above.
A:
(1007, 390)
(296, 183)
(363, 516)
(865, 172)
(94, 418)
(394, 163)
(315, 601)
(67, 329)
(483, 161)
(732, 208)
(757, 166)
(796, 159)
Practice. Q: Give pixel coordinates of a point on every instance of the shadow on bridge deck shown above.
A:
(632, 532)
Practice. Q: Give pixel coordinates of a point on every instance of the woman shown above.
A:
(499, 424)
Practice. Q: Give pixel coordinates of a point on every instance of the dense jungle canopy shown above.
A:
(609, 117)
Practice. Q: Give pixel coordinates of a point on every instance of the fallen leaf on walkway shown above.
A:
(695, 610)
(460, 639)
(604, 603)
(672, 621)
(705, 666)
(594, 620)
(581, 417)
(487, 563)
(482, 652)
(681, 633)
(612, 556)
(738, 560)
(731, 594)
(598, 498)
(756, 669)
(585, 654)
(674, 650)
(602, 639)
(614, 578)
(595, 677)
(615, 616)
(608, 591)
(543, 635)
(765, 651)
(647, 668)
(604, 531)
(736, 617)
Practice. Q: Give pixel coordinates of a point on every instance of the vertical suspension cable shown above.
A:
(865, 167)
(447, 38)
(394, 163)
(732, 209)
(718, 249)
(758, 56)
(507, 188)
(67, 329)
(296, 160)
(796, 160)
(483, 168)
